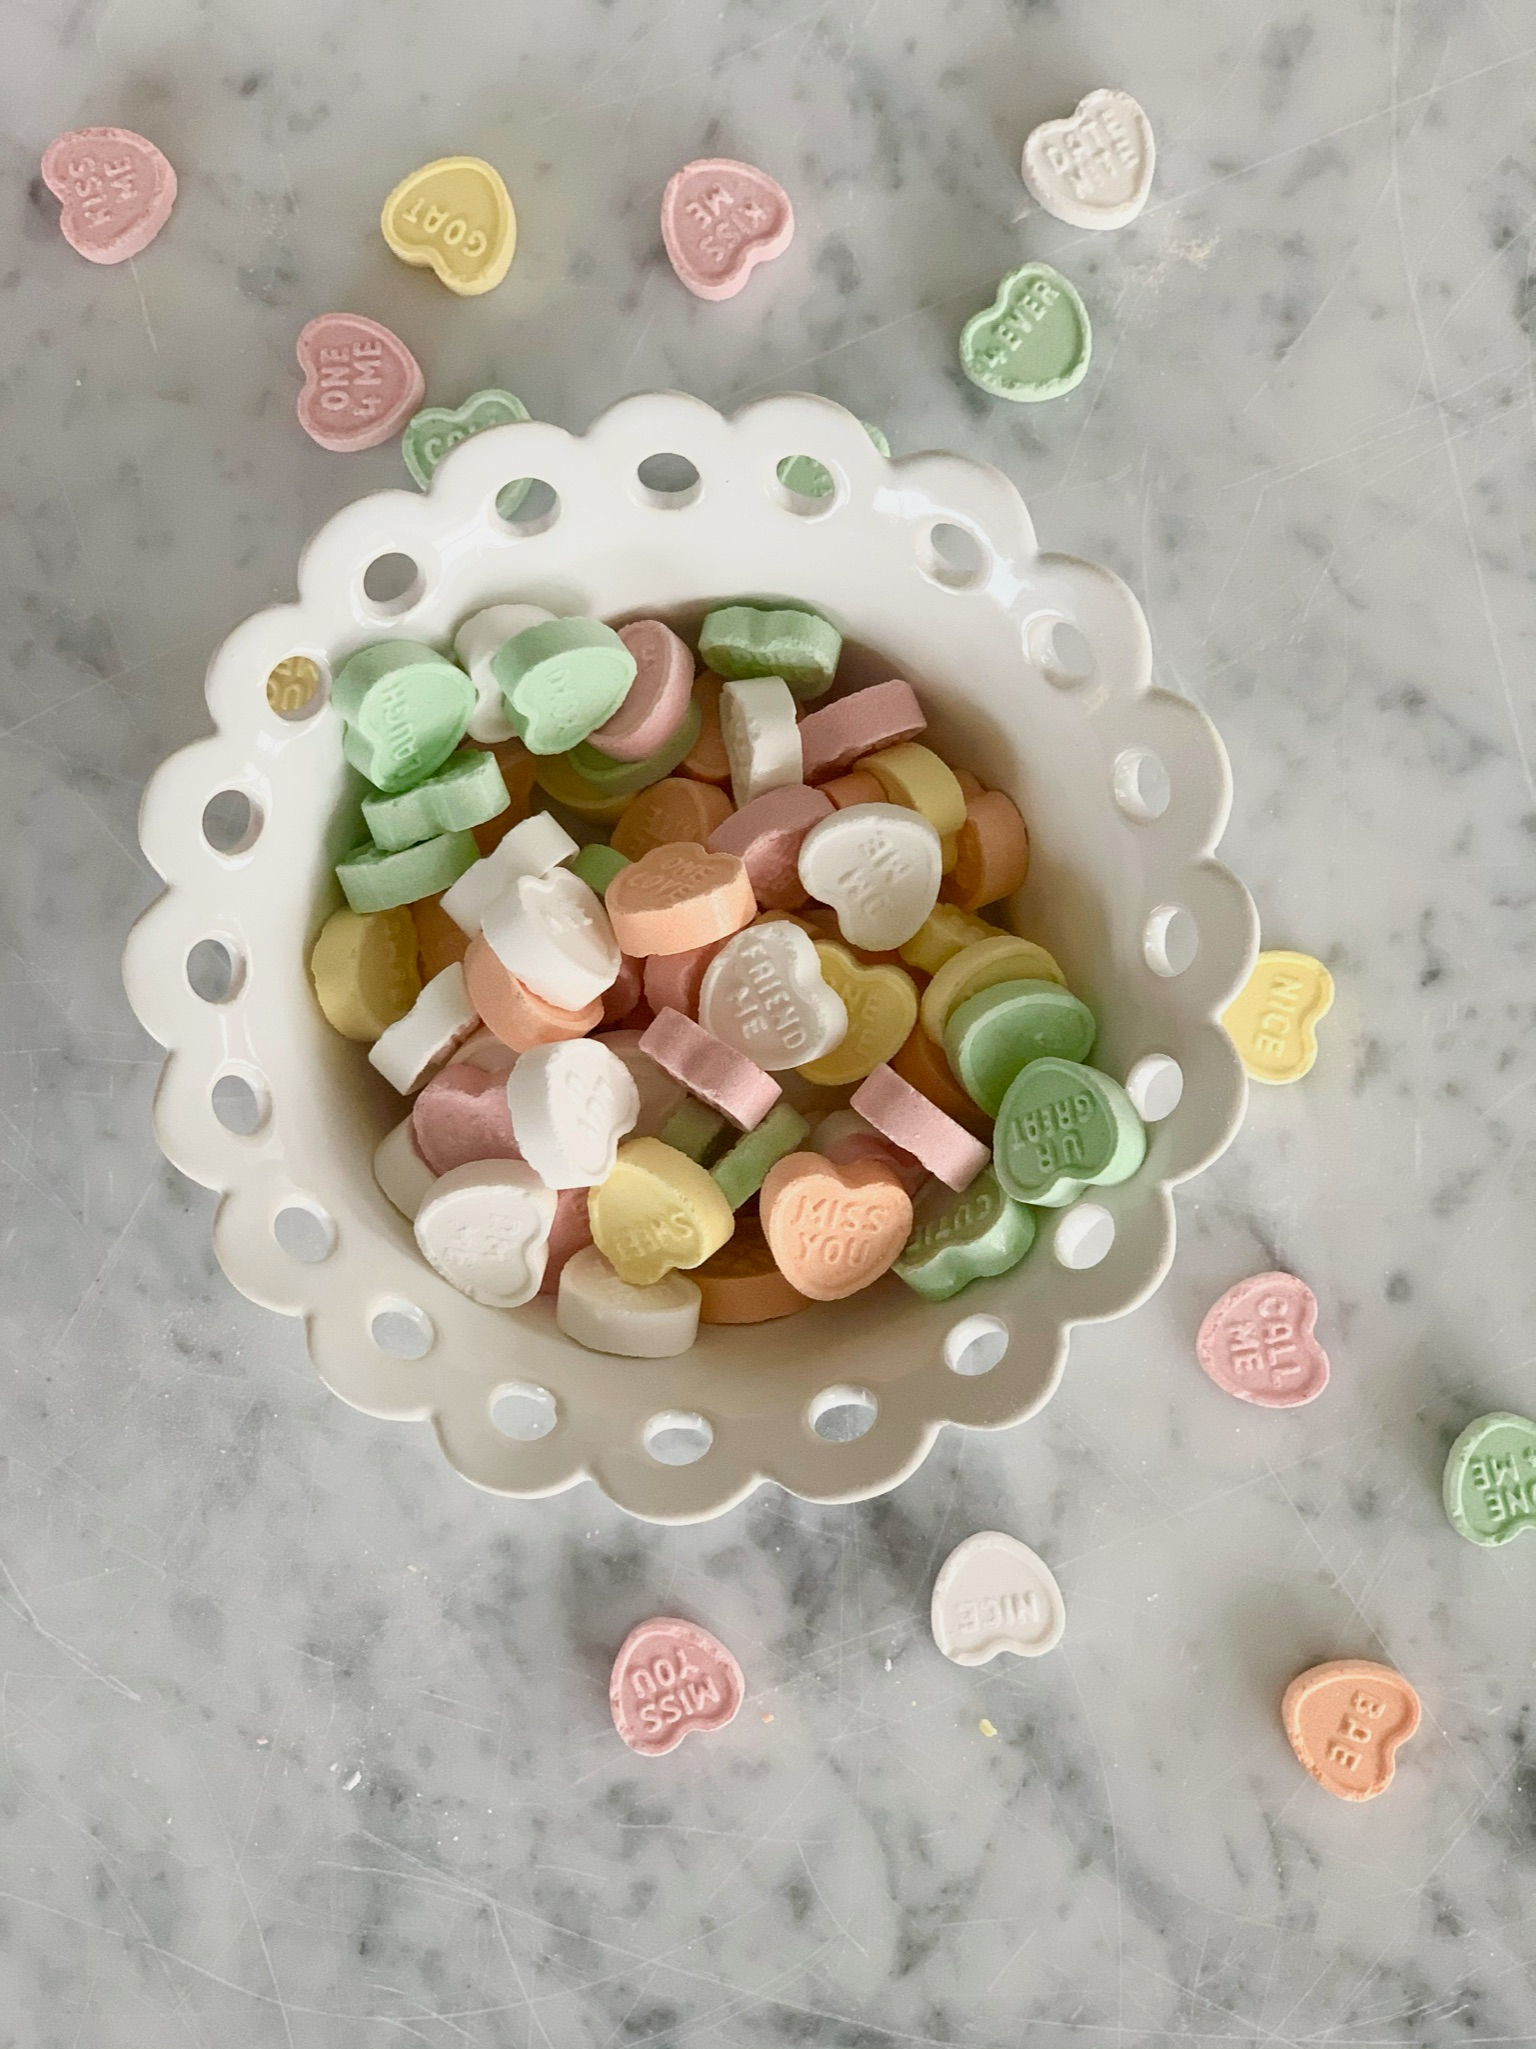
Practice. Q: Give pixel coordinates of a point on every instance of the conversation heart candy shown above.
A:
(845, 1136)
(909, 1119)
(404, 708)
(1489, 1487)
(833, 1229)
(741, 1283)
(553, 933)
(672, 1679)
(808, 478)
(401, 1172)
(1094, 169)
(115, 190)
(476, 644)
(765, 994)
(1062, 1126)
(881, 1007)
(762, 740)
(922, 1064)
(485, 1228)
(427, 1037)
(697, 1130)
(364, 968)
(740, 1172)
(562, 679)
(799, 647)
(454, 216)
(914, 775)
(768, 833)
(960, 1238)
(373, 880)
(462, 1115)
(361, 383)
(596, 1309)
(720, 1074)
(432, 432)
(660, 1094)
(706, 761)
(519, 771)
(993, 1594)
(658, 699)
(673, 981)
(879, 867)
(624, 778)
(1033, 342)
(677, 897)
(834, 738)
(512, 1011)
(655, 1211)
(980, 964)
(946, 931)
(1273, 1019)
(1346, 1722)
(991, 1035)
(571, 1102)
(991, 852)
(465, 791)
(572, 792)
(1258, 1342)
(597, 865)
(678, 810)
(534, 847)
(719, 219)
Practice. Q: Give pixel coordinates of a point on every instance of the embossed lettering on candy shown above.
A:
(1490, 1479)
(719, 219)
(1033, 342)
(1258, 1342)
(454, 215)
(1094, 169)
(115, 189)
(361, 383)
(994, 1594)
(1061, 1127)
(672, 1679)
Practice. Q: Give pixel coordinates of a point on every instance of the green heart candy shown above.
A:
(741, 1172)
(808, 478)
(739, 641)
(373, 880)
(957, 1239)
(624, 778)
(430, 434)
(993, 1034)
(466, 791)
(1062, 1126)
(404, 709)
(596, 865)
(561, 681)
(1033, 342)
(1490, 1479)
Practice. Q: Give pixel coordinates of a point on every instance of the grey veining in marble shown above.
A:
(303, 1744)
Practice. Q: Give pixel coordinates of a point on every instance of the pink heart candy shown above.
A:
(461, 1116)
(656, 703)
(670, 1680)
(570, 1233)
(361, 383)
(1257, 1342)
(718, 219)
(116, 190)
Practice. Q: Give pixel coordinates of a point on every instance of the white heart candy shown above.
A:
(879, 866)
(571, 1103)
(764, 994)
(1094, 169)
(534, 847)
(761, 736)
(606, 1314)
(552, 932)
(485, 1228)
(418, 1044)
(993, 1594)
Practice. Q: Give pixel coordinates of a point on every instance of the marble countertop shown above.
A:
(303, 1744)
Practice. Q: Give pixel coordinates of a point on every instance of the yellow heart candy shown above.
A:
(882, 1009)
(1273, 1019)
(455, 215)
(657, 1210)
(982, 965)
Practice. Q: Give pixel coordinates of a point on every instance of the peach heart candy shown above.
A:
(709, 1069)
(510, 1009)
(833, 1230)
(658, 699)
(678, 897)
(462, 1115)
(840, 734)
(919, 1127)
(361, 383)
(672, 1679)
(1257, 1342)
(1346, 1721)
(115, 189)
(674, 812)
(718, 219)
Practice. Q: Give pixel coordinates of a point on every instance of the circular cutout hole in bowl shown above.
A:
(297, 688)
(953, 556)
(231, 822)
(402, 1331)
(839, 1415)
(240, 1104)
(1060, 651)
(535, 511)
(523, 1411)
(393, 582)
(975, 1345)
(215, 971)
(1171, 940)
(1155, 1086)
(668, 481)
(677, 1438)
(1084, 1236)
(1142, 788)
(305, 1230)
(806, 486)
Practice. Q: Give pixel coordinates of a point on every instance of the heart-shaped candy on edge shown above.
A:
(361, 383)
(719, 219)
(1489, 1488)
(994, 1594)
(672, 1679)
(115, 189)
(1094, 169)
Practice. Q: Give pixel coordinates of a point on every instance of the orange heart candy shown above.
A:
(676, 897)
(671, 810)
(1346, 1722)
(833, 1229)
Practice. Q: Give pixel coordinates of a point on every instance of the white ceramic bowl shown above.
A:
(1118, 894)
